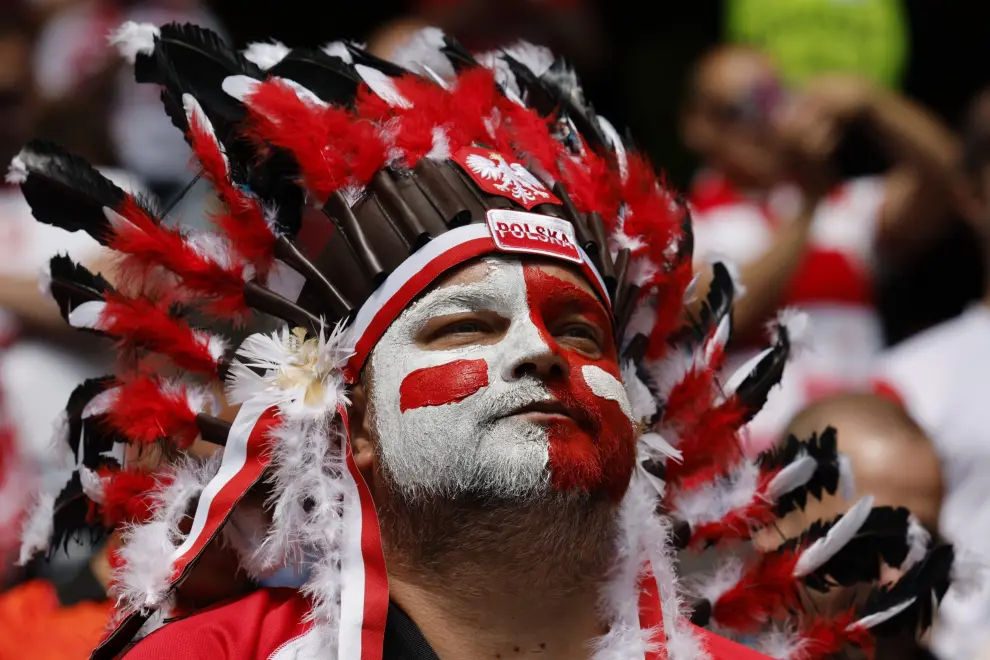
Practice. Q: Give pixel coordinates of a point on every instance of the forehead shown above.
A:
(730, 73)
(477, 271)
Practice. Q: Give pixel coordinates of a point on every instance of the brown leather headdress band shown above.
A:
(399, 212)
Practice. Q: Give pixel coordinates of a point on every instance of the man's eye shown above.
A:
(578, 331)
(464, 328)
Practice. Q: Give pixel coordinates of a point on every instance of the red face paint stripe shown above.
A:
(597, 452)
(443, 384)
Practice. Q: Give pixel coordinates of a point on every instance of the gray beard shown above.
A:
(555, 543)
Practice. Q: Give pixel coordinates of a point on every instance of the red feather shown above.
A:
(147, 410)
(826, 637)
(738, 524)
(148, 246)
(128, 496)
(244, 220)
(767, 588)
(333, 148)
(141, 323)
(712, 441)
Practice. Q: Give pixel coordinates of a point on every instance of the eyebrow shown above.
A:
(568, 296)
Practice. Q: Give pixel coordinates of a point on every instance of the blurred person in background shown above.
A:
(73, 60)
(890, 458)
(769, 200)
(570, 28)
(940, 376)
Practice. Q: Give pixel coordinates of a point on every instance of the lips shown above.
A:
(543, 407)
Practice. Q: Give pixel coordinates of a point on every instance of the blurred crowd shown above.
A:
(768, 119)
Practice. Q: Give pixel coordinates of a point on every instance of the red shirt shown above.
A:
(264, 624)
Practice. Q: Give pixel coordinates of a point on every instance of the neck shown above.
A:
(511, 580)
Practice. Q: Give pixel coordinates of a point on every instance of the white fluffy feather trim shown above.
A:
(301, 376)
(132, 39)
(146, 550)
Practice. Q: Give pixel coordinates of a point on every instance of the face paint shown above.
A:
(599, 449)
(446, 419)
(447, 383)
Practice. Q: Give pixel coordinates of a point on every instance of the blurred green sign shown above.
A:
(809, 37)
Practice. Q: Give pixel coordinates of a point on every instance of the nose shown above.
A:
(543, 364)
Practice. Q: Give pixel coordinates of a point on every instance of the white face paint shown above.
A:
(439, 434)
(461, 447)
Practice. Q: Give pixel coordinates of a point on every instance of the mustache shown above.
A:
(527, 391)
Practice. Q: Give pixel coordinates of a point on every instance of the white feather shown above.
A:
(740, 374)
(781, 644)
(195, 112)
(440, 149)
(92, 484)
(132, 39)
(718, 339)
(17, 171)
(88, 315)
(215, 344)
(239, 87)
(537, 59)
(338, 49)
(146, 550)
(45, 281)
(423, 48)
(303, 93)
(798, 325)
(302, 377)
(791, 477)
(100, 403)
(59, 463)
(715, 500)
(382, 86)
(266, 54)
(644, 406)
(918, 540)
(726, 575)
(621, 159)
(837, 537)
(36, 533)
(658, 446)
(879, 617)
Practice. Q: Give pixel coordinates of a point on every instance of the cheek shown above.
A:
(442, 384)
(602, 456)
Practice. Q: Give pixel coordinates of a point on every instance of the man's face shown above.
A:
(502, 381)
(729, 120)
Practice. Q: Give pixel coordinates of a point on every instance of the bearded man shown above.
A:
(472, 462)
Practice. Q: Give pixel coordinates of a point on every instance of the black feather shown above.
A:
(90, 445)
(193, 60)
(327, 76)
(275, 180)
(718, 302)
(65, 191)
(459, 56)
(361, 56)
(73, 285)
(928, 579)
(752, 393)
(882, 538)
(824, 450)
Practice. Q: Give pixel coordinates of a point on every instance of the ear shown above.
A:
(359, 426)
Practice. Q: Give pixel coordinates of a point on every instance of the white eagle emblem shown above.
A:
(511, 179)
